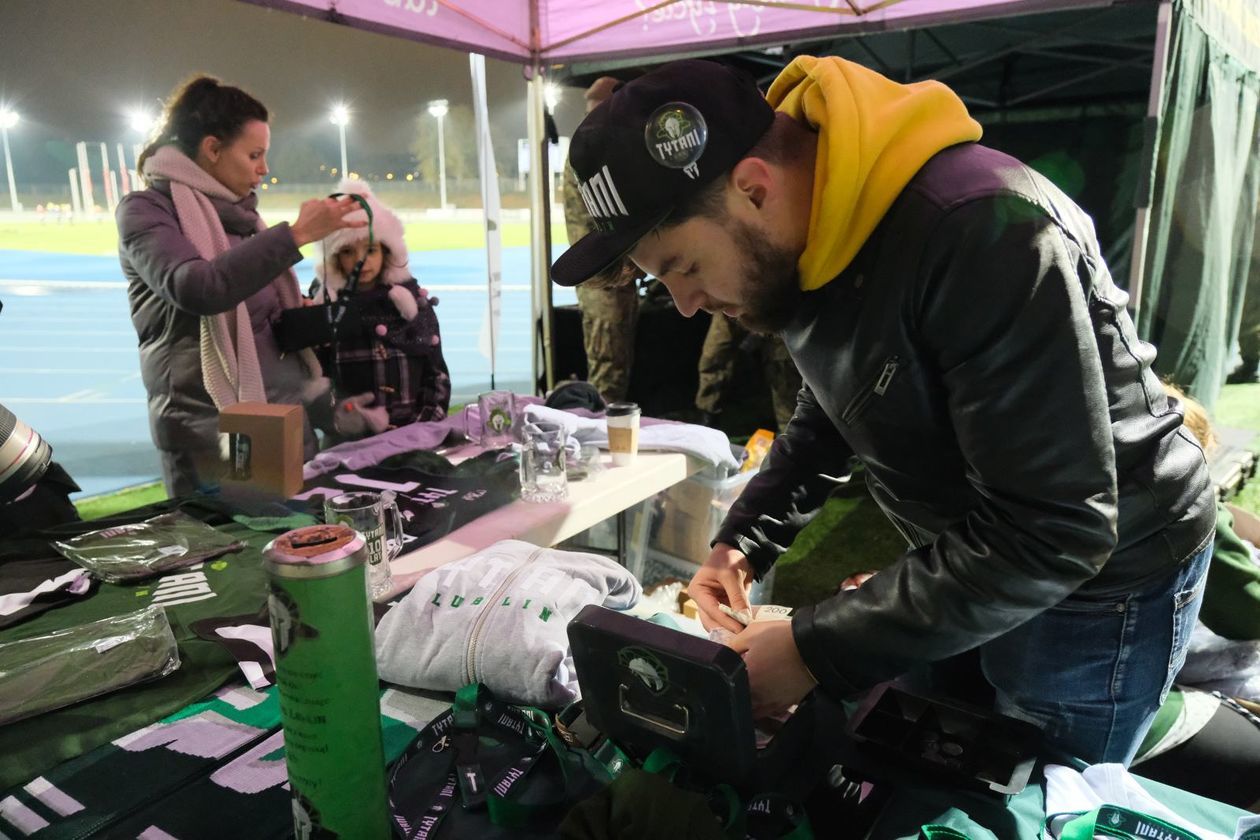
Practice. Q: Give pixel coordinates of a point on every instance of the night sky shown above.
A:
(73, 69)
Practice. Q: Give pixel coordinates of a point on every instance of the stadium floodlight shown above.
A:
(141, 121)
(438, 109)
(8, 119)
(340, 117)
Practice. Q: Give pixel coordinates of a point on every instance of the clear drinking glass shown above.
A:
(543, 476)
(376, 517)
(492, 425)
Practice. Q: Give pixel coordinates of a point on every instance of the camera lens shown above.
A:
(24, 456)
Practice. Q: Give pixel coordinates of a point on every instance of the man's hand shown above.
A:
(725, 578)
(777, 676)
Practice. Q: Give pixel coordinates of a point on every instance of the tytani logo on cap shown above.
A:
(601, 198)
(675, 136)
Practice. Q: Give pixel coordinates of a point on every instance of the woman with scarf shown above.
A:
(206, 279)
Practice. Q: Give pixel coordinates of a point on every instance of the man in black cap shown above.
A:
(958, 332)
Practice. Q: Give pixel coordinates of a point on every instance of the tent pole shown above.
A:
(1146, 184)
(540, 231)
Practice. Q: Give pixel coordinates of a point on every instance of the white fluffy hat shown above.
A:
(386, 227)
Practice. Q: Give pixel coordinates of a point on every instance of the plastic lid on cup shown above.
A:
(622, 409)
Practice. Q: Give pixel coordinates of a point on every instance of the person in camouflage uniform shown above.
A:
(609, 302)
(717, 366)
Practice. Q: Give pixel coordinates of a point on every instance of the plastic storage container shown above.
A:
(685, 519)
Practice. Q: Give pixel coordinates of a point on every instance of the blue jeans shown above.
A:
(1092, 673)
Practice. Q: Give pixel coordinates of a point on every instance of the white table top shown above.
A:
(590, 501)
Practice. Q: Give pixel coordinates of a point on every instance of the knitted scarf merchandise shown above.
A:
(229, 360)
(874, 134)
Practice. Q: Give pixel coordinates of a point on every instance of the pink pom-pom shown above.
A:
(381, 329)
(434, 340)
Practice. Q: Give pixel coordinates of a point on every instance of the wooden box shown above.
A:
(270, 457)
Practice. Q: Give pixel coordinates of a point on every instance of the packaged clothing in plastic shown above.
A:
(229, 585)
(499, 617)
(49, 672)
(144, 549)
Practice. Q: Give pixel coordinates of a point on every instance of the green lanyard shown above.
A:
(1114, 821)
(1104, 821)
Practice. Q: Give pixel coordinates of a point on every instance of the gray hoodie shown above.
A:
(499, 617)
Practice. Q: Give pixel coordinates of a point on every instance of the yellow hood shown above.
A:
(873, 136)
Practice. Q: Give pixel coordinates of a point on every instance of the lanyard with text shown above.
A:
(1114, 821)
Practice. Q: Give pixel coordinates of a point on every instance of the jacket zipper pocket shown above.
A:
(877, 387)
(470, 659)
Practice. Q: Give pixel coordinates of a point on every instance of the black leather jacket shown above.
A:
(978, 359)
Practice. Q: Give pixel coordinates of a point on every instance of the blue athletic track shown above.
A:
(69, 366)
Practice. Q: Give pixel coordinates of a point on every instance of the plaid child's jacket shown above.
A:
(401, 364)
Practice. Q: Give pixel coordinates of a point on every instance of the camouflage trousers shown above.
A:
(609, 317)
(717, 366)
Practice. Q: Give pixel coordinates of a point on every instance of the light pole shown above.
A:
(438, 109)
(8, 119)
(340, 117)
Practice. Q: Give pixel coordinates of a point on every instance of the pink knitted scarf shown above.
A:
(229, 360)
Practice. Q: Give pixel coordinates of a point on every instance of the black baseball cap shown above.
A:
(655, 142)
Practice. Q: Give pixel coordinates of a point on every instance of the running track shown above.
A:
(69, 366)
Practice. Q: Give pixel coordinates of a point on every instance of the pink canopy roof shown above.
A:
(560, 31)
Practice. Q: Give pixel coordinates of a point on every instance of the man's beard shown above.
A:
(770, 286)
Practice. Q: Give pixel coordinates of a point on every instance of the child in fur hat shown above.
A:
(389, 371)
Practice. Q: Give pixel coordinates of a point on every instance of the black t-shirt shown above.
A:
(434, 497)
(48, 505)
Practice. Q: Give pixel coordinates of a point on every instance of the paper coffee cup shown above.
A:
(623, 432)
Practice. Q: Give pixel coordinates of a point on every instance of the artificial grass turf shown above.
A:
(99, 237)
(1238, 407)
(108, 504)
(849, 535)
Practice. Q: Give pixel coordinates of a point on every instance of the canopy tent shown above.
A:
(1199, 272)
(539, 33)
(1200, 296)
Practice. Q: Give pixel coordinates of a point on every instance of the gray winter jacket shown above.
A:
(170, 287)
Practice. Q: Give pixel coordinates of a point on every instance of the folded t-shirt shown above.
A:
(144, 549)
